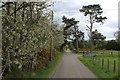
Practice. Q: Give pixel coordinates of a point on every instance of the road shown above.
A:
(71, 67)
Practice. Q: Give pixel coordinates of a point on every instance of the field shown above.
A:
(104, 63)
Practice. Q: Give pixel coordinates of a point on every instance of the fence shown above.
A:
(110, 65)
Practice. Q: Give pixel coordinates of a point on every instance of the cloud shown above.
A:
(107, 31)
(70, 8)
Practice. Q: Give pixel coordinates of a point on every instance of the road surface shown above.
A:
(71, 67)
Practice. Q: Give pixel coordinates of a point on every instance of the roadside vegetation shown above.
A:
(104, 64)
(29, 38)
(41, 73)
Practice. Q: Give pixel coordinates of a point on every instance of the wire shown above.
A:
(78, 11)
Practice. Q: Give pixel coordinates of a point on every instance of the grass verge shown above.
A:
(97, 70)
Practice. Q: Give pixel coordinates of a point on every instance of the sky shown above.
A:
(70, 8)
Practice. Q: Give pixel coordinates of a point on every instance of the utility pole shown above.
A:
(1, 45)
(51, 36)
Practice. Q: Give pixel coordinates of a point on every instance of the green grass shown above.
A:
(96, 67)
(43, 73)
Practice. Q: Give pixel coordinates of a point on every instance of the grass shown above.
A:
(43, 73)
(96, 67)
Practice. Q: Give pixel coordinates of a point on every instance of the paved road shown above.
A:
(71, 67)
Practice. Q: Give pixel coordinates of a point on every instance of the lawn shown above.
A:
(43, 73)
(103, 65)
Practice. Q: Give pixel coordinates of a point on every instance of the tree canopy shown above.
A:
(71, 31)
(98, 39)
(94, 13)
(26, 36)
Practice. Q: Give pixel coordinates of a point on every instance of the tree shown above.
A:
(98, 39)
(112, 45)
(70, 25)
(26, 36)
(71, 30)
(80, 36)
(117, 35)
(94, 13)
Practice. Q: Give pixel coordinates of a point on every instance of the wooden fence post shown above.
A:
(102, 63)
(114, 65)
(92, 60)
(108, 64)
(98, 60)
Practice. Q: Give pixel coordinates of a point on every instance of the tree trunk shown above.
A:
(76, 35)
(90, 38)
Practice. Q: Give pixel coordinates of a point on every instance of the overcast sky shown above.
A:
(70, 8)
